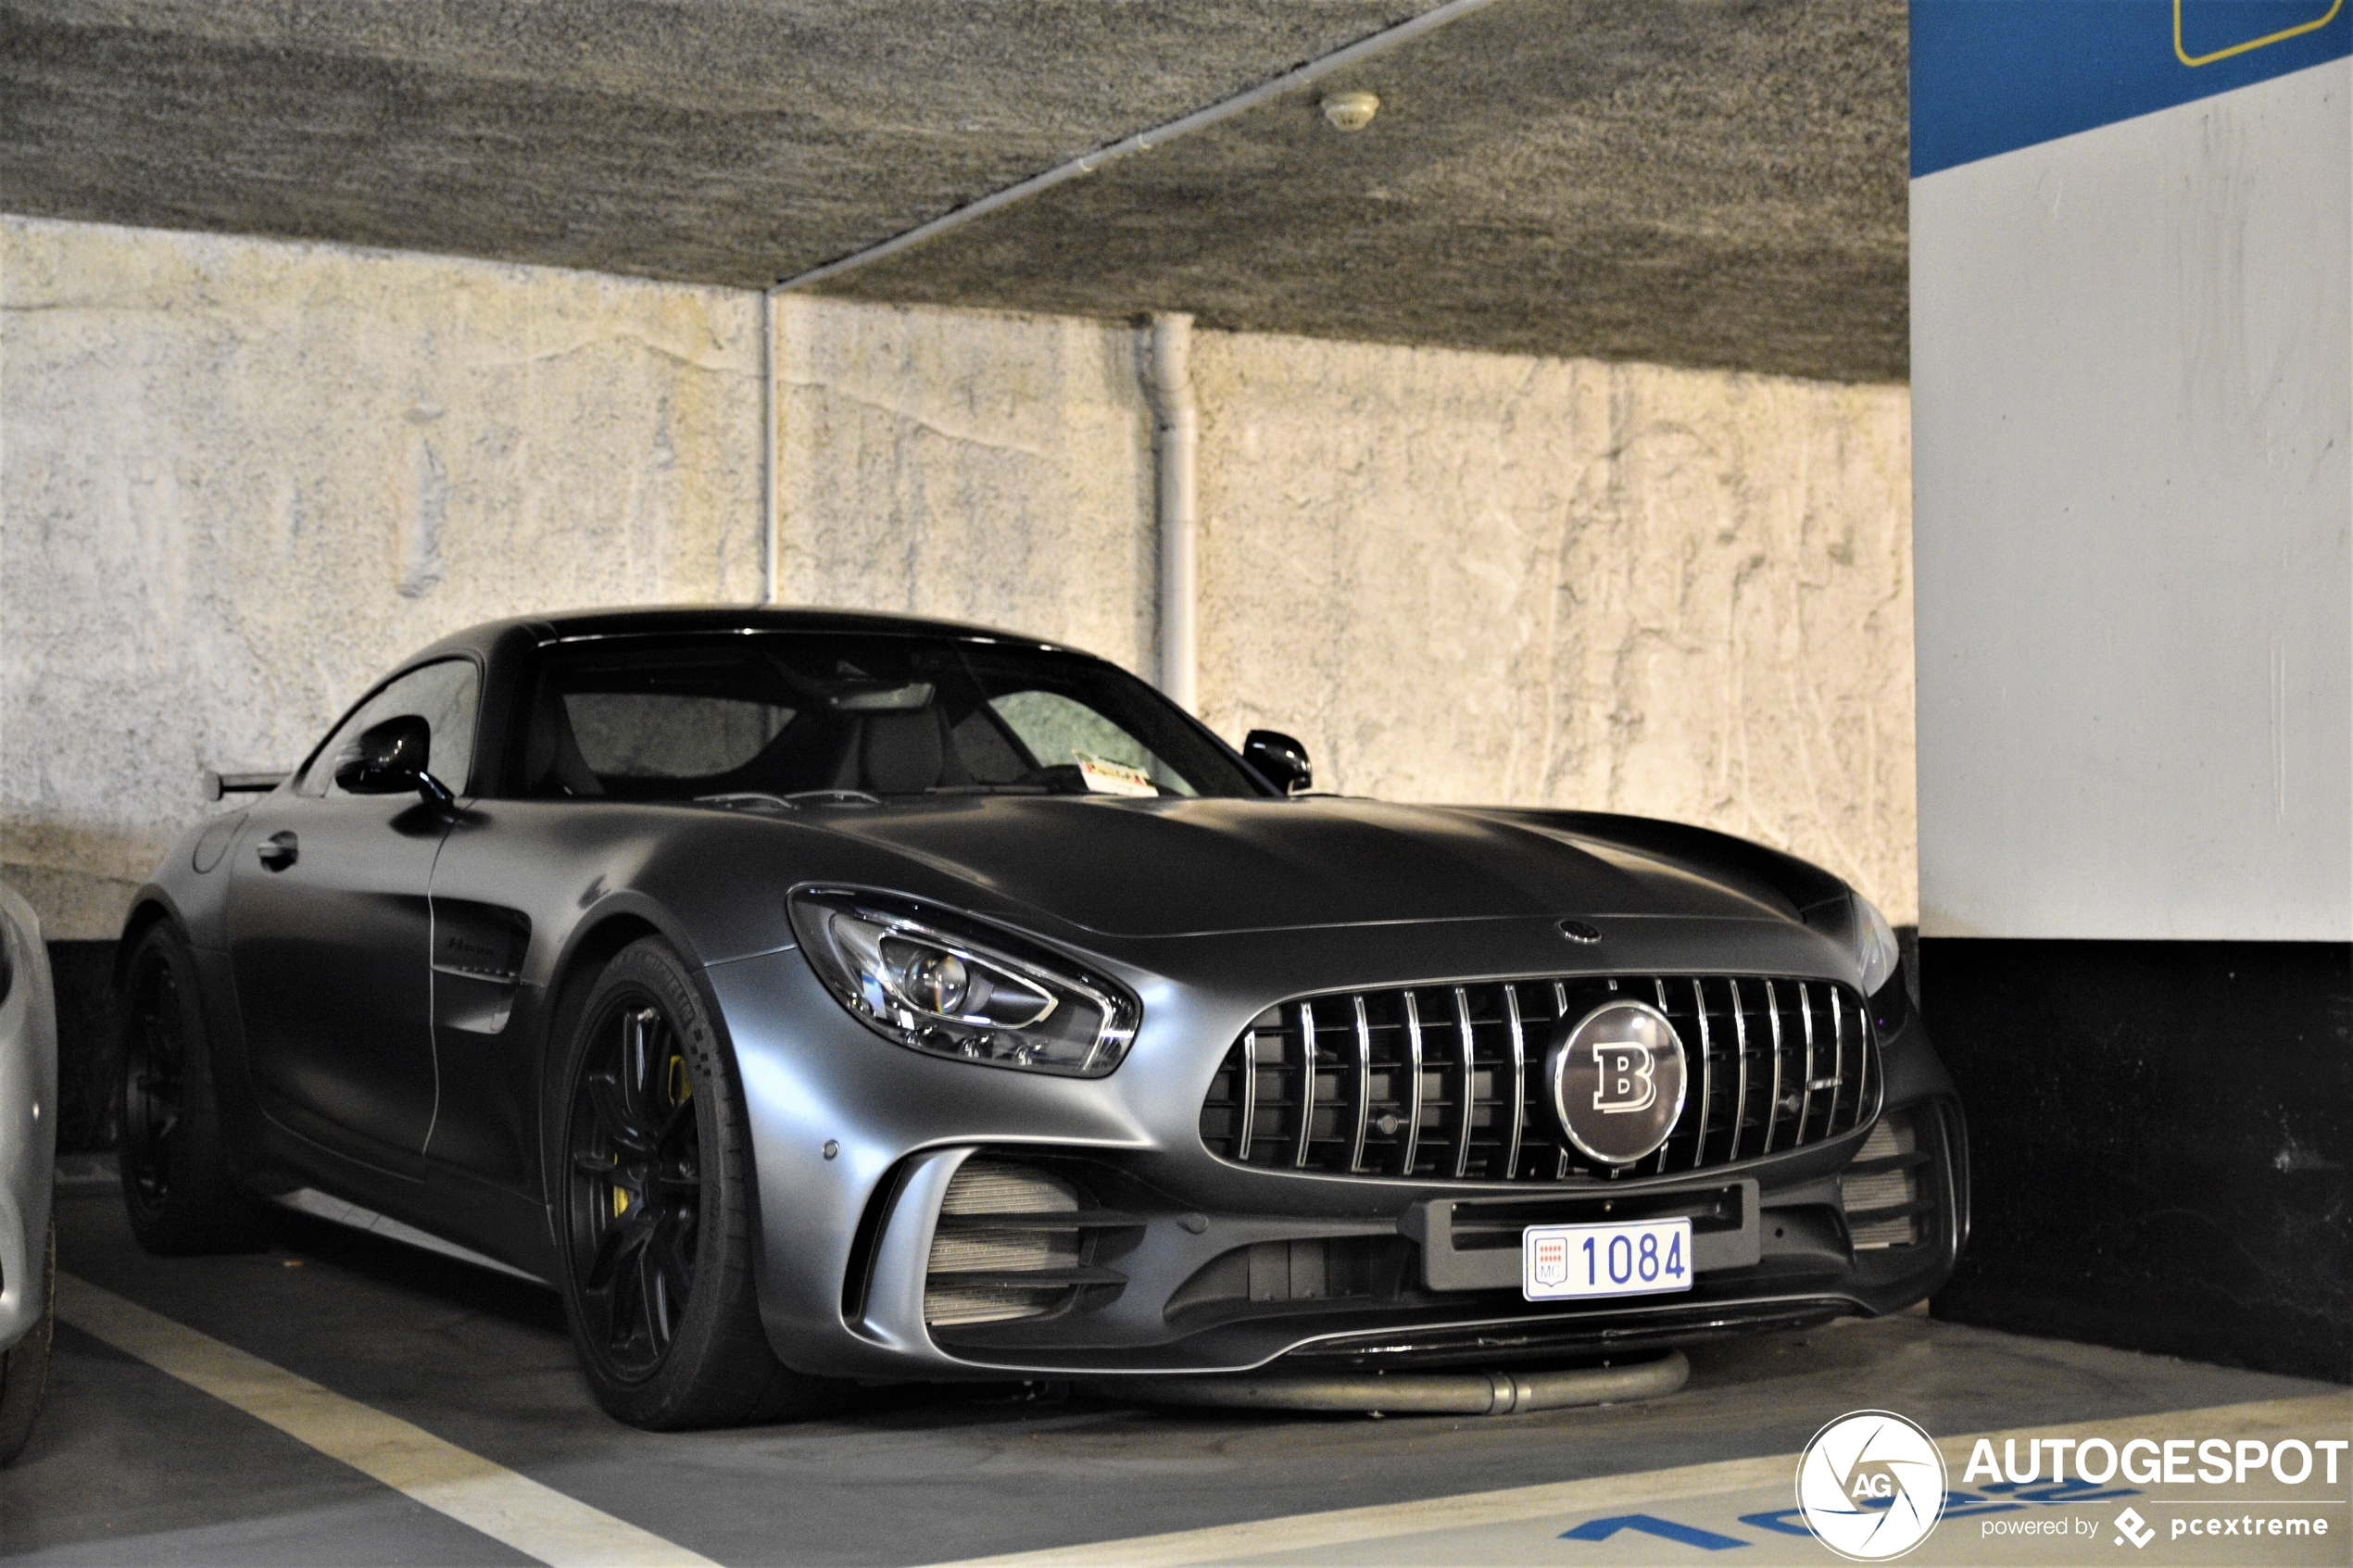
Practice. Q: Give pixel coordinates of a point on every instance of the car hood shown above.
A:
(1169, 868)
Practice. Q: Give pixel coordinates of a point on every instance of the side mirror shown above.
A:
(1280, 759)
(389, 758)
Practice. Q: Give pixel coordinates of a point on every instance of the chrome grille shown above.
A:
(1446, 1082)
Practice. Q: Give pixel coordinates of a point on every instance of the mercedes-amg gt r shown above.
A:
(811, 997)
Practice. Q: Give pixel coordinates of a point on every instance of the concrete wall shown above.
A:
(240, 477)
(996, 469)
(1478, 578)
(1460, 577)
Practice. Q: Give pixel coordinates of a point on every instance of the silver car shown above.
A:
(28, 1167)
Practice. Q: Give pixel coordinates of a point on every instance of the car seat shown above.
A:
(552, 763)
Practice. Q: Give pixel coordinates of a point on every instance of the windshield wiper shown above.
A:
(748, 800)
(988, 789)
(759, 800)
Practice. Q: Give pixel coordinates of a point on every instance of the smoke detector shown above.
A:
(1351, 111)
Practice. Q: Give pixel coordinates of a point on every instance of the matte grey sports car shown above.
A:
(812, 997)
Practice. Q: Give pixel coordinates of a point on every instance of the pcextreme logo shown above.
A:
(1872, 1485)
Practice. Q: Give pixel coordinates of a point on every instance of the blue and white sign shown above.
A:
(1992, 75)
(2130, 359)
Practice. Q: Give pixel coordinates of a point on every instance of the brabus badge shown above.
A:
(1616, 1079)
(1579, 932)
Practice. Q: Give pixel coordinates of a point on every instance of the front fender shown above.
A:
(27, 1120)
(812, 1078)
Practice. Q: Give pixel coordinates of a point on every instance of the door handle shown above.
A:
(279, 851)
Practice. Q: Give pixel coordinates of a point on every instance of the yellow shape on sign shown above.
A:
(2182, 53)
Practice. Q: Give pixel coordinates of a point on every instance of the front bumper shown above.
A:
(1211, 1267)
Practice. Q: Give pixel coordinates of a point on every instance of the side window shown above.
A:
(444, 693)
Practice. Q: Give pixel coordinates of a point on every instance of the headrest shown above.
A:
(551, 760)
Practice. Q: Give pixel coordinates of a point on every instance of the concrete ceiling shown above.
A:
(1716, 182)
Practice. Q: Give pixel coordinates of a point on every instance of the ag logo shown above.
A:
(1616, 1079)
(1872, 1485)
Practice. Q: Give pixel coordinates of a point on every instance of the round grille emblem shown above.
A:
(1617, 1078)
(1579, 932)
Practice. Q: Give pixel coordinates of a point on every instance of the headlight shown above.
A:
(1875, 947)
(930, 983)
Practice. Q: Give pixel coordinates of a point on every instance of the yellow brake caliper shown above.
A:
(681, 1089)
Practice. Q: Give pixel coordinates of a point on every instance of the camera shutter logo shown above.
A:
(1616, 1080)
(1872, 1485)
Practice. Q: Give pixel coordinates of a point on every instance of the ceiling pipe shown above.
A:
(770, 526)
(1290, 80)
(1175, 442)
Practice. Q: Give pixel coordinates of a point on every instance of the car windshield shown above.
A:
(789, 713)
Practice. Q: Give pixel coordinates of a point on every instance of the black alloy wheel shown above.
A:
(176, 1182)
(650, 1164)
(637, 1183)
(155, 1072)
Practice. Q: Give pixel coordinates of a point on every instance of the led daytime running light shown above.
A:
(927, 982)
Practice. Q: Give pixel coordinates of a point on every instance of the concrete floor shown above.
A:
(131, 1465)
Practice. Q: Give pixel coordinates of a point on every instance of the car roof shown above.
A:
(639, 620)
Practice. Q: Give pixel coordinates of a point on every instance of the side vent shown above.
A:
(1880, 1191)
(1011, 1243)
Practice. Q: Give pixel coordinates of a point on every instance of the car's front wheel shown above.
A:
(656, 1208)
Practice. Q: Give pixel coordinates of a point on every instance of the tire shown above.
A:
(24, 1368)
(176, 1181)
(656, 1220)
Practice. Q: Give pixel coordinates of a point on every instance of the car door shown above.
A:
(330, 930)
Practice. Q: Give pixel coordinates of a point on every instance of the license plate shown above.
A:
(1573, 1262)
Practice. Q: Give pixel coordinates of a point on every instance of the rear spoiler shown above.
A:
(215, 785)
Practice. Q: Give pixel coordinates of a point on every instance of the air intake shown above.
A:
(1010, 1243)
(1880, 1191)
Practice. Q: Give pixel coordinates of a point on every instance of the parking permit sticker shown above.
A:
(1106, 777)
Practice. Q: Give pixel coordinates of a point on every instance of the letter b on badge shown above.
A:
(1626, 1079)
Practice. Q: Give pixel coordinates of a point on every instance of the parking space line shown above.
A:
(513, 1509)
(1384, 1522)
(1352, 1526)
